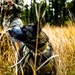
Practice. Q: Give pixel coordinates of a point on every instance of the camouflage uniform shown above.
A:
(14, 11)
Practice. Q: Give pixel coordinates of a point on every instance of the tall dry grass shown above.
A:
(63, 43)
(7, 53)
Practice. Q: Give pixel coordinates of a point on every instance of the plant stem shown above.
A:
(36, 49)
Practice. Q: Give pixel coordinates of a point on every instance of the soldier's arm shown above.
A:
(19, 6)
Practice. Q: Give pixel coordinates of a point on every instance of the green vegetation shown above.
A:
(57, 11)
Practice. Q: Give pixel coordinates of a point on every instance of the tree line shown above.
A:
(57, 11)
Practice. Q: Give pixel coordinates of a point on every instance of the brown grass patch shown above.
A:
(63, 42)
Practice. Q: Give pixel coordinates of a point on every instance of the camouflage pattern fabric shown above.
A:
(13, 13)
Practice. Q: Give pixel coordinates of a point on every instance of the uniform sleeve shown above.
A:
(19, 6)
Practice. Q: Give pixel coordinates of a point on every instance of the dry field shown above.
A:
(63, 43)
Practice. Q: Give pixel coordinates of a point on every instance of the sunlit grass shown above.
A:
(7, 55)
(63, 43)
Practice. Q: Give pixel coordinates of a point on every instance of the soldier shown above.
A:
(27, 34)
(14, 10)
